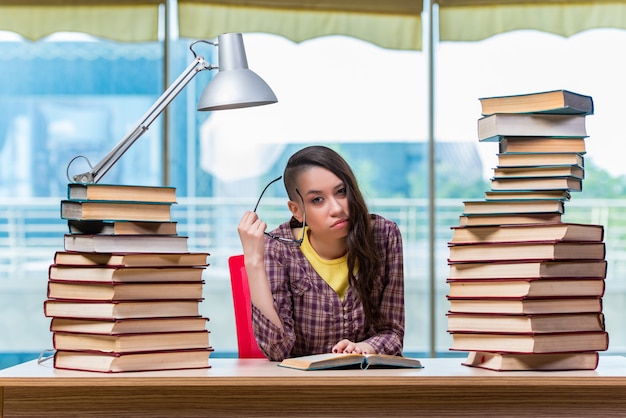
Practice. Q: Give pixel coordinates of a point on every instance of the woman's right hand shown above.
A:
(251, 231)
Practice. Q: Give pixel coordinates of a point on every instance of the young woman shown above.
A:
(334, 285)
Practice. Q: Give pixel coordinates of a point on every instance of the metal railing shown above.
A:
(31, 232)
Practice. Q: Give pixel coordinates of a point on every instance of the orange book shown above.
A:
(520, 362)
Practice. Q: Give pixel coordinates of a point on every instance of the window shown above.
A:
(62, 99)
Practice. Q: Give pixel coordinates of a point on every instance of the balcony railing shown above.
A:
(31, 232)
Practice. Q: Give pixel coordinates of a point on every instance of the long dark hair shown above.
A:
(360, 239)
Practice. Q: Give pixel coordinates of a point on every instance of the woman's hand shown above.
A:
(349, 347)
(251, 233)
(251, 230)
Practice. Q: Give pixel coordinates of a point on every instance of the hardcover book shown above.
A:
(535, 159)
(553, 101)
(527, 288)
(494, 127)
(561, 342)
(536, 324)
(107, 362)
(517, 206)
(150, 260)
(114, 291)
(118, 192)
(529, 232)
(128, 326)
(521, 362)
(529, 269)
(575, 171)
(120, 309)
(126, 243)
(121, 227)
(526, 250)
(525, 306)
(98, 210)
(131, 343)
(121, 274)
(363, 361)
(563, 195)
(570, 184)
(541, 145)
(508, 219)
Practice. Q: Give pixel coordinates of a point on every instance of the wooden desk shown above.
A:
(233, 387)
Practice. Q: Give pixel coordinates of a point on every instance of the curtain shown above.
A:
(473, 20)
(394, 24)
(119, 20)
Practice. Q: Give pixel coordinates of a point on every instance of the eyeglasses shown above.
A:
(277, 238)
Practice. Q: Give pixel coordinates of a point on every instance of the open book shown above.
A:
(333, 361)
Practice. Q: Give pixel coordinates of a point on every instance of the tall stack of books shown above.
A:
(124, 293)
(526, 288)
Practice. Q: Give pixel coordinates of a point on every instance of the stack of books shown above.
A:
(526, 288)
(124, 293)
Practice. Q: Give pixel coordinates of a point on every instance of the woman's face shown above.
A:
(325, 202)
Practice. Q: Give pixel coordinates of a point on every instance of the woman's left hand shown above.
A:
(349, 347)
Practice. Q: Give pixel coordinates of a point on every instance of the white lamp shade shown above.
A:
(235, 85)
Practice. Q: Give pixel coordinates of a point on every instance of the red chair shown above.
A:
(246, 343)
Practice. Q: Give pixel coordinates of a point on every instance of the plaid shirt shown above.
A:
(314, 317)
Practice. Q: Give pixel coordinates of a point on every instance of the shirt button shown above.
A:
(345, 316)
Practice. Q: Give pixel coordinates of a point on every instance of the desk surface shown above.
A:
(239, 387)
(248, 371)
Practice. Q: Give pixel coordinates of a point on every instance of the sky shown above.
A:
(343, 89)
(338, 88)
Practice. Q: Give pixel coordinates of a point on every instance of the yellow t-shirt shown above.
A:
(334, 272)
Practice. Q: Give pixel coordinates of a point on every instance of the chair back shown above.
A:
(246, 343)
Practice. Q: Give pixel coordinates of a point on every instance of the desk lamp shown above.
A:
(234, 86)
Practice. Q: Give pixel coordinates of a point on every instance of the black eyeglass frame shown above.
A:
(277, 238)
